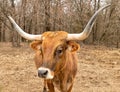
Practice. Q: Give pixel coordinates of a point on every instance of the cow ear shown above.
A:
(73, 46)
(36, 45)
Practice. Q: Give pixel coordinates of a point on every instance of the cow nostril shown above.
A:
(45, 73)
(42, 73)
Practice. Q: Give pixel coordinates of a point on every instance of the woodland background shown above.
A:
(38, 16)
(98, 61)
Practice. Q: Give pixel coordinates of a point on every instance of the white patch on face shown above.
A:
(43, 38)
(49, 75)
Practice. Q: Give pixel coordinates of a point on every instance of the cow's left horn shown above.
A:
(22, 33)
(88, 28)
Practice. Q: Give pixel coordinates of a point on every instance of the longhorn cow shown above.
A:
(55, 55)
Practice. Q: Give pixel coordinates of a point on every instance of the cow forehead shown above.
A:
(50, 40)
(54, 36)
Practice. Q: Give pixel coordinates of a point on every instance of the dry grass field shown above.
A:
(98, 69)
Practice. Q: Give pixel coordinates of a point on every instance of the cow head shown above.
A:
(51, 52)
(52, 48)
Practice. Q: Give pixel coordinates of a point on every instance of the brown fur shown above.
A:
(63, 64)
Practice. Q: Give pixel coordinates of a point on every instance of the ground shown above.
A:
(98, 69)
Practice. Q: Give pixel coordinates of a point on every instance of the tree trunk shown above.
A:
(47, 15)
(15, 37)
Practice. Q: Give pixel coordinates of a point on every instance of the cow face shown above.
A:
(51, 53)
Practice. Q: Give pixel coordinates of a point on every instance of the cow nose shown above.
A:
(42, 73)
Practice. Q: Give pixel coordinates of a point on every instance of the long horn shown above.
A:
(22, 33)
(88, 28)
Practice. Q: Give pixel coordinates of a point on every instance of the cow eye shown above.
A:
(59, 51)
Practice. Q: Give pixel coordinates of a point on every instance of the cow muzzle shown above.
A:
(45, 73)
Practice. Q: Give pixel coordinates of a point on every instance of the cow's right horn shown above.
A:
(88, 28)
(22, 33)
